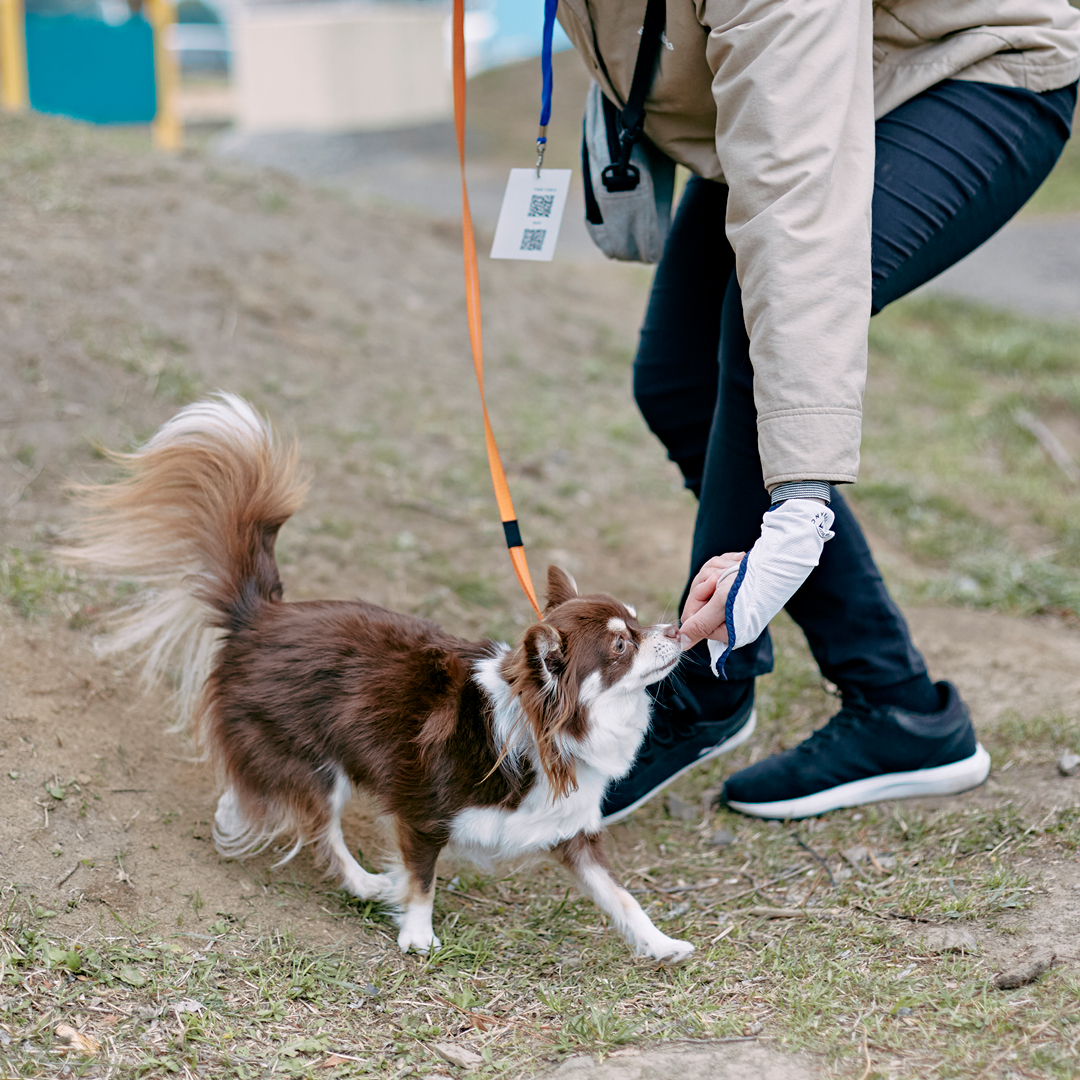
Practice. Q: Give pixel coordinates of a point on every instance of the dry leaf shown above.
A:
(75, 1042)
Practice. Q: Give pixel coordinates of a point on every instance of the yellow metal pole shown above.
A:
(167, 129)
(14, 91)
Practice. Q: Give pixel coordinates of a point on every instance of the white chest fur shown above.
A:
(618, 721)
(537, 824)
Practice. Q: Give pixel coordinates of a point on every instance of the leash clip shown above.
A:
(541, 146)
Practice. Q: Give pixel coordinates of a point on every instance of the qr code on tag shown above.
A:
(540, 205)
(533, 239)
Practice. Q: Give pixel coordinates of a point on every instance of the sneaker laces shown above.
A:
(840, 725)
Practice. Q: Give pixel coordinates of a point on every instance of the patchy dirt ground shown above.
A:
(128, 285)
(108, 815)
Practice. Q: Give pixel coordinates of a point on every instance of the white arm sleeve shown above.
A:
(793, 535)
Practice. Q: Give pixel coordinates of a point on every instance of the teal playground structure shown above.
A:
(101, 61)
(85, 68)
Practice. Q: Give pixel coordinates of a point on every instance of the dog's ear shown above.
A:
(543, 646)
(561, 587)
(549, 700)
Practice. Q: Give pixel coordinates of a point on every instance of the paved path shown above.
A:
(1032, 265)
(735, 1060)
(417, 167)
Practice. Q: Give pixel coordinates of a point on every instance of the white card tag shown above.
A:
(531, 214)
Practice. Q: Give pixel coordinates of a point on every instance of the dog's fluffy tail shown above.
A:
(193, 521)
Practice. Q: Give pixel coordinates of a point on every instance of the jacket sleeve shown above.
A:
(793, 85)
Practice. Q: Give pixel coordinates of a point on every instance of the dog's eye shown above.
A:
(620, 644)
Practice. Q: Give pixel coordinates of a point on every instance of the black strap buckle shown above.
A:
(619, 177)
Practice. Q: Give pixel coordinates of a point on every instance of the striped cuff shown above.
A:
(802, 489)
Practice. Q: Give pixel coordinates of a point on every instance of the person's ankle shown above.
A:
(915, 695)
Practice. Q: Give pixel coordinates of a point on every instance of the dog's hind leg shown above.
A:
(583, 856)
(235, 835)
(354, 878)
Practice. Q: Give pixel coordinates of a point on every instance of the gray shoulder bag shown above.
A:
(629, 183)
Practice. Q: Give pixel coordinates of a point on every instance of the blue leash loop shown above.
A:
(550, 7)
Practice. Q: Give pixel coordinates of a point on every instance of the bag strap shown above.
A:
(621, 175)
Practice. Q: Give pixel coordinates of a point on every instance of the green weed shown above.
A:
(30, 583)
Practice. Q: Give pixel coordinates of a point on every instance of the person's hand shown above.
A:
(793, 534)
(703, 614)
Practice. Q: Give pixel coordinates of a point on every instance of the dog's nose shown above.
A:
(670, 630)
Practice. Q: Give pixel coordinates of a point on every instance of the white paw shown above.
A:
(366, 886)
(420, 941)
(668, 951)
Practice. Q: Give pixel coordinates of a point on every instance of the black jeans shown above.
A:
(953, 165)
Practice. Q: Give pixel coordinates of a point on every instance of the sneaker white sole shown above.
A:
(729, 743)
(948, 779)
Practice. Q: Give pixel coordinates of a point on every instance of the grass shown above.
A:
(527, 974)
(951, 473)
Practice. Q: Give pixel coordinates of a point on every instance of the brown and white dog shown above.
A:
(490, 752)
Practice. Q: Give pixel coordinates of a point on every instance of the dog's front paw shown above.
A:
(668, 951)
(417, 940)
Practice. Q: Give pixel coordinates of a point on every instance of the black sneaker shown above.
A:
(865, 754)
(680, 737)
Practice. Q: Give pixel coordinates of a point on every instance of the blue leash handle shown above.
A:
(550, 7)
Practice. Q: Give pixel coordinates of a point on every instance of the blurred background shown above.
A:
(269, 65)
(351, 93)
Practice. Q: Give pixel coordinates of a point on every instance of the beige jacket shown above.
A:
(778, 99)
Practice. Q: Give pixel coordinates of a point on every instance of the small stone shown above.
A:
(579, 1062)
(1069, 764)
(682, 810)
(856, 855)
(710, 799)
(721, 838)
(461, 1056)
(754, 1029)
(886, 862)
(903, 1011)
(1038, 965)
(950, 940)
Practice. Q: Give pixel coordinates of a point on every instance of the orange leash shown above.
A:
(472, 305)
